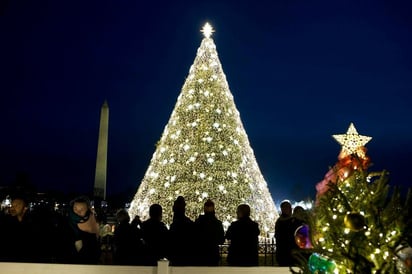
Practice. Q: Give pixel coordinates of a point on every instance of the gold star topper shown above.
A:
(352, 141)
(207, 30)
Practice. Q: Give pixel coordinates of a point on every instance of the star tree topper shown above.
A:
(207, 30)
(352, 141)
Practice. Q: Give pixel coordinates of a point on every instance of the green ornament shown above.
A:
(320, 264)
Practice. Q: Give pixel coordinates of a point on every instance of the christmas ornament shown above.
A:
(302, 237)
(354, 221)
(319, 264)
(352, 141)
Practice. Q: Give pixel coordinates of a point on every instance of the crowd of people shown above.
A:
(78, 237)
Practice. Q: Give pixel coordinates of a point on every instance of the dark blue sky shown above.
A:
(299, 71)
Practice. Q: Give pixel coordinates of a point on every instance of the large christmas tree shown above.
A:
(359, 224)
(204, 152)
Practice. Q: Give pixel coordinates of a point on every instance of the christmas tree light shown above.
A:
(204, 152)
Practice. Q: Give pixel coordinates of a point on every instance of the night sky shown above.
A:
(299, 72)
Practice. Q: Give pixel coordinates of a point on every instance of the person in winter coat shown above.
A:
(210, 235)
(155, 236)
(285, 227)
(81, 234)
(243, 236)
(182, 231)
(128, 245)
(18, 238)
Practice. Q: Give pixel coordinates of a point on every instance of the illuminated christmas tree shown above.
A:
(204, 152)
(358, 226)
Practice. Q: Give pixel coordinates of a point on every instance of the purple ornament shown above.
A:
(302, 237)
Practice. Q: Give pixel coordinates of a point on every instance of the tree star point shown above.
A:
(207, 30)
(351, 141)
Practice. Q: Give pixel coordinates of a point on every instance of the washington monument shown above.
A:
(101, 159)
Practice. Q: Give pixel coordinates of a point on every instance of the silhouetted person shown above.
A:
(80, 235)
(210, 235)
(285, 228)
(300, 215)
(18, 239)
(243, 235)
(136, 222)
(128, 246)
(106, 244)
(155, 236)
(181, 235)
(45, 222)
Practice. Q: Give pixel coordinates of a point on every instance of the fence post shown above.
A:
(163, 266)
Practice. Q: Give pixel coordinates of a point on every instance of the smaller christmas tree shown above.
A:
(358, 226)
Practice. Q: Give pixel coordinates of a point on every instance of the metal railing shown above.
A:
(266, 250)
